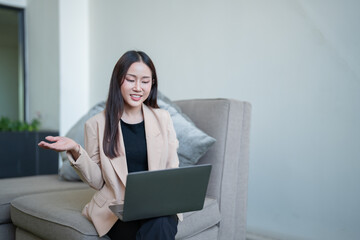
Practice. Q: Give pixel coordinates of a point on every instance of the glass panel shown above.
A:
(11, 63)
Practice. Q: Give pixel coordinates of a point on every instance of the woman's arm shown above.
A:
(88, 163)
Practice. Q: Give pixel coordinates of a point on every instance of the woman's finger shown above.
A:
(52, 138)
(44, 145)
(51, 146)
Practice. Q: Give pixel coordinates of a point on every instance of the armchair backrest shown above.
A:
(228, 121)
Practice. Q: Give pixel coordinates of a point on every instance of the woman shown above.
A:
(131, 134)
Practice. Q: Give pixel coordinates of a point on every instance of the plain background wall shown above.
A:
(297, 62)
(74, 62)
(42, 46)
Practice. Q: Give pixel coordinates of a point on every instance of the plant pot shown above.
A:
(21, 156)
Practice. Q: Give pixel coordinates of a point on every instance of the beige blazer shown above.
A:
(109, 176)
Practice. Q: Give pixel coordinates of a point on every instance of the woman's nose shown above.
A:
(137, 86)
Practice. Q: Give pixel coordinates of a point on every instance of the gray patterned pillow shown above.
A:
(193, 143)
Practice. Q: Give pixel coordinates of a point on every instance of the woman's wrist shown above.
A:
(75, 152)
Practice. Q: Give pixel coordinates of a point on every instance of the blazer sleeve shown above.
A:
(173, 144)
(88, 164)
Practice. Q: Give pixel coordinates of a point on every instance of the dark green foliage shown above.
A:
(7, 125)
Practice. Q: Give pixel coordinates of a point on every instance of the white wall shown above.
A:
(42, 44)
(297, 62)
(74, 62)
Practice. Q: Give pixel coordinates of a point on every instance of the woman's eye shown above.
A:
(145, 82)
(130, 80)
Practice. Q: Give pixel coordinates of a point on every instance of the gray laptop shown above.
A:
(163, 192)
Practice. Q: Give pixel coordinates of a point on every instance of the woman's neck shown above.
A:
(132, 116)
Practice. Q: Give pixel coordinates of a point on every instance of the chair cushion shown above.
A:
(209, 234)
(199, 221)
(58, 214)
(12, 188)
(54, 215)
(23, 235)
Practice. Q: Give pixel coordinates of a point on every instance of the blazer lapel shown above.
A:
(154, 144)
(154, 140)
(119, 163)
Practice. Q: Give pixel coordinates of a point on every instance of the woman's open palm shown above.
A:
(59, 144)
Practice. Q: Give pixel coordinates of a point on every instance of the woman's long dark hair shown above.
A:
(115, 101)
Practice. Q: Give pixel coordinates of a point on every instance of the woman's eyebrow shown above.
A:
(133, 75)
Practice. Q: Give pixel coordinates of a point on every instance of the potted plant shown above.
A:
(7, 125)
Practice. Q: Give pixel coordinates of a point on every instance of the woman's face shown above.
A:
(136, 86)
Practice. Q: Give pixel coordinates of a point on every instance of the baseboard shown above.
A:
(264, 235)
(257, 236)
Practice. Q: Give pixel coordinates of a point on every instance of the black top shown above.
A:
(135, 146)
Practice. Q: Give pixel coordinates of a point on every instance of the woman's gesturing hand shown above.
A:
(60, 144)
